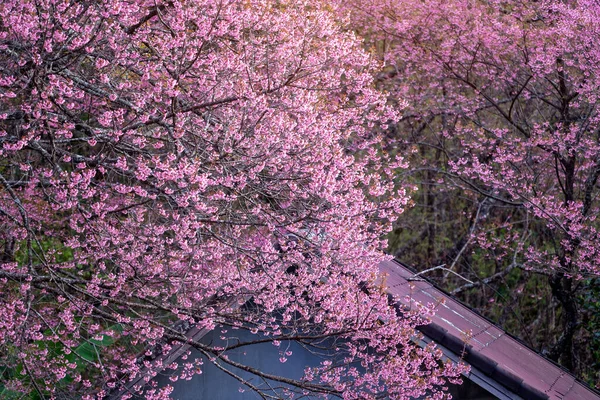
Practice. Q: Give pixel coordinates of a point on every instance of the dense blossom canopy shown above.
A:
(164, 162)
(519, 84)
(504, 97)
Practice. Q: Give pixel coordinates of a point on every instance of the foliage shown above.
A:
(163, 162)
(589, 303)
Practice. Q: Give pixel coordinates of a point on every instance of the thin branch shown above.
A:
(442, 267)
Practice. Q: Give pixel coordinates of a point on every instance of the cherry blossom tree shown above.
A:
(164, 163)
(502, 112)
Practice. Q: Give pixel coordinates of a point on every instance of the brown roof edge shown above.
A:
(484, 364)
(479, 342)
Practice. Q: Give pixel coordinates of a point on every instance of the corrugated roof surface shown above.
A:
(484, 345)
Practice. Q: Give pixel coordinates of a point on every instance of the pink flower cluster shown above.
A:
(182, 158)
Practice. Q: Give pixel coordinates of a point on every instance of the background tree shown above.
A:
(163, 163)
(503, 127)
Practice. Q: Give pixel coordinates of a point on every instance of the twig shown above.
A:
(484, 281)
(469, 235)
(442, 267)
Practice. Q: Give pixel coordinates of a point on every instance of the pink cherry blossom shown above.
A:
(184, 158)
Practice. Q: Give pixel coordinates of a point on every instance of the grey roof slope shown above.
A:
(494, 355)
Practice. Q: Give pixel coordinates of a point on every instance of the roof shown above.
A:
(499, 362)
